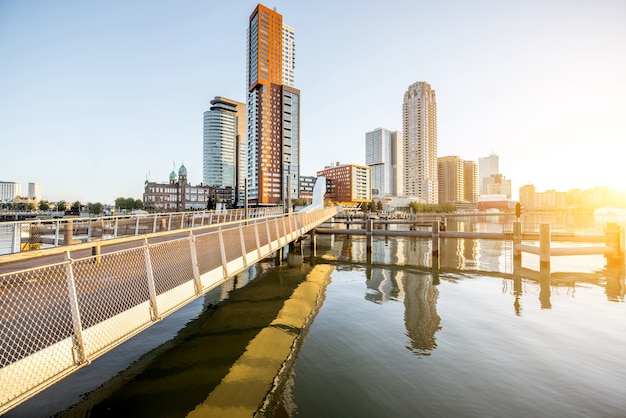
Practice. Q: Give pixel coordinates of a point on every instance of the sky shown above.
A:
(98, 96)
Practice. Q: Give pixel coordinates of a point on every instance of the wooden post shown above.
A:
(544, 243)
(368, 234)
(517, 239)
(435, 235)
(68, 232)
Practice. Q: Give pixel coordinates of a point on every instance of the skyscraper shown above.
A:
(451, 179)
(470, 178)
(224, 146)
(383, 153)
(487, 166)
(273, 107)
(419, 123)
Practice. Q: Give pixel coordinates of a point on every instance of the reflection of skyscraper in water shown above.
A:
(420, 316)
(383, 286)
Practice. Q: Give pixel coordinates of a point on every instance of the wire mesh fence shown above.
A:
(57, 318)
(40, 234)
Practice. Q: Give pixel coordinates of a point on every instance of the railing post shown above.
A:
(169, 222)
(223, 252)
(137, 225)
(258, 240)
(57, 233)
(154, 223)
(89, 231)
(78, 350)
(194, 264)
(243, 246)
(154, 309)
(277, 232)
(115, 227)
(269, 236)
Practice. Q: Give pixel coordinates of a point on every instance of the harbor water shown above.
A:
(471, 333)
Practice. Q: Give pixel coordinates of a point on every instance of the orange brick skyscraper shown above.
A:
(273, 126)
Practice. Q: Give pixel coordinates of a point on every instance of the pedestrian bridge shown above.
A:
(63, 307)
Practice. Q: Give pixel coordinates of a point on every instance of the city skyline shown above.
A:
(97, 96)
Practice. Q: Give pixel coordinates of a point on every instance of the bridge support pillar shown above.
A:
(313, 244)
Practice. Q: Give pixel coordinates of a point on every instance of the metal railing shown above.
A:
(58, 318)
(39, 234)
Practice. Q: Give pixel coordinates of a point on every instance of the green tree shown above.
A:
(119, 203)
(44, 205)
(61, 206)
(379, 206)
(76, 205)
(95, 208)
(138, 204)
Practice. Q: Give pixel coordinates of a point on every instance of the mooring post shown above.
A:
(517, 239)
(544, 243)
(368, 234)
(435, 234)
(68, 233)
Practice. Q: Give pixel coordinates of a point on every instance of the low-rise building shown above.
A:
(347, 183)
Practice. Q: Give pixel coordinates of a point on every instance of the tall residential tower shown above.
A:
(273, 107)
(419, 123)
(383, 153)
(224, 146)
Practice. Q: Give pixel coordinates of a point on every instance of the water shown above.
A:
(480, 336)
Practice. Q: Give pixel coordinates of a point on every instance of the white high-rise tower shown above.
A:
(419, 120)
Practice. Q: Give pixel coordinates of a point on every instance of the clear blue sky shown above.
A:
(97, 95)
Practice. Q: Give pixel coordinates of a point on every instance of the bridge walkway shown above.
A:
(63, 308)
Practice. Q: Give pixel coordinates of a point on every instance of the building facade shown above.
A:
(487, 167)
(9, 190)
(307, 184)
(470, 178)
(177, 195)
(383, 154)
(273, 110)
(34, 191)
(451, 179)
(224, 146)
(347, 183)
(419, 145)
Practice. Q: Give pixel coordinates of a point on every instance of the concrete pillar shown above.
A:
(517, 238)
(544, 243)
(435, 236)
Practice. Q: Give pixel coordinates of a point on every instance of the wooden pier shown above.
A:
(611, 245)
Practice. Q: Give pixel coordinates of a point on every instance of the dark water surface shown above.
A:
(480, 336)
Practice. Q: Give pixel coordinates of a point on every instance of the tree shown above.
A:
(61, 206)
(76, 205)
(119, 202)
(138, 204)
(95, 208)
(379, 206)
(44, 205)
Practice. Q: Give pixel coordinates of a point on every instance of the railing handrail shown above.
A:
(26, 255)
